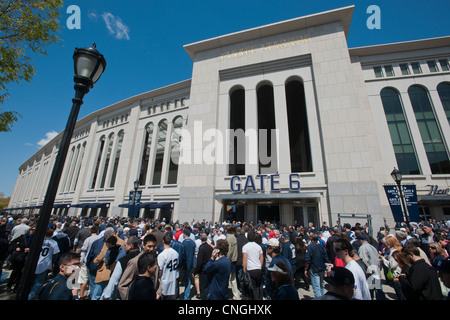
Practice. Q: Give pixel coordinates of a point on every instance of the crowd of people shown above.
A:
(117, 258)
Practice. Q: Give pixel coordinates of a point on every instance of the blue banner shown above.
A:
(410, 194)
(136, 204)
(395, 202)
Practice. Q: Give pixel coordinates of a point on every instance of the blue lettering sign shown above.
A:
(273, 182)
(249, 182)
(261, 180)
(294, 185)
(232, 184)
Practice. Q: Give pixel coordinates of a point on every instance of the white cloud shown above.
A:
(48, 136)
(92, 15)
(116, 26)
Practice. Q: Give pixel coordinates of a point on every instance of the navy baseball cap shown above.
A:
(340, 276)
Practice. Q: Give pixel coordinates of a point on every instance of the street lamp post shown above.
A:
(397, 176)
(136, 186)
(89, 65)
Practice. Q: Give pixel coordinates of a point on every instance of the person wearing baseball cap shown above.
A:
(443, 268)
(274, 251)
(284, 287)
(342, 282)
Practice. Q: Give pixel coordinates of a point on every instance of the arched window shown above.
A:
(73, 168)
(237, 132)
(160, 148)
(107, 160)
(400, 135)
(266, 123)
(67, 167)
(429, 130)
(175, 150)
(116, 159)
(99, 159)
(299, 143)
(146, 153)
(443, 90)
(77, 173)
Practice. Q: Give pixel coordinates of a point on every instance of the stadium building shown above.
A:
(282, 122)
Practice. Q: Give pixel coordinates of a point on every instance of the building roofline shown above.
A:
(343, 15)
(401, 46)
(116, 106)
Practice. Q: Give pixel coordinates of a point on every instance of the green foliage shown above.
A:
(7, 119)
(26, 28)
(4, 203)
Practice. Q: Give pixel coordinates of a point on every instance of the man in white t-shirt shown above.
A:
(252, 262)
(343, 249)
(45, 263)
(168, 261)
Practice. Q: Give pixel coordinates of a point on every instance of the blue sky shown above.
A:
(142, 42)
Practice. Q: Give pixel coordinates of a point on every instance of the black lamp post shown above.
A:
(397, 176)
(136, 187)
(89, 65)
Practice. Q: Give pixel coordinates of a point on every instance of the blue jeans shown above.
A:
(317, 283)
(39, 280)
(187, 289)
(96, 289)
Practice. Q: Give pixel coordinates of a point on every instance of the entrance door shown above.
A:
(165, 213)
(149, 213)
(234, 212)
(270, 213)
(306, 214)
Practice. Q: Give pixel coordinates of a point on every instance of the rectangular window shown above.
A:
(416, 68)
(432, 66)
(378, 72)
(389, 71)
(405, 69)
(444, 64)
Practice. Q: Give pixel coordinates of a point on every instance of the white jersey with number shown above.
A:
(168, 261)
(361, 291)
(49, 248)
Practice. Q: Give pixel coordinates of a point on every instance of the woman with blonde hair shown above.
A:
(394, 270)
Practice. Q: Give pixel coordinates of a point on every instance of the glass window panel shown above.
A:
(79, 167)
(108, 157)
(405, 69)
(146, 154)
(175, 150)
(99, 158)
(432, 66)
(266, 124)
(444, 94)
(378, 72)
(160, 148)
(389, 71)
(429, 130)
(398, 128)
(408, 149)
(404, 134)
(394, 133)
(236, 164)
(416, 68)
(444, 64)
(116, 159)
(299, 142)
